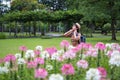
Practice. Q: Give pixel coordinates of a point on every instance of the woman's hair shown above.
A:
(77, 27)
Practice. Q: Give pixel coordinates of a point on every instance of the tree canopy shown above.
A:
(98, 10)
(45, 16)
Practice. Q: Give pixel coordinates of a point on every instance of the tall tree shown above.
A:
(25, 5)
(54, 4)
(102, 10)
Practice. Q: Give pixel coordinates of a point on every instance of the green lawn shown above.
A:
(11, 45)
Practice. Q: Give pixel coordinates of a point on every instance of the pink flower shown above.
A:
(115, 46)
(77, 49)
(39, 60)
(100, 46)
(102, 71)
(87, 46)
(64, 43)
(31, 64)
(67, 69)
(9, 57)
(37, 52)
(22, 48)
(82, 46)
(40, 73)
(82, 64)
(51, 50)
(92, 52)
(60, 58)
(109, 53)
(69, 54)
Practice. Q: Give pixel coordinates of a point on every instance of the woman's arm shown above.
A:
(76, 37)
(68, 33)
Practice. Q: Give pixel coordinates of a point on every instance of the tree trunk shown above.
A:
(22, 28)
(15, 30)
(0, 27)
(42, 32)
(29, 29)
(113, 20)
(9, 31)
(113, 29)
(34, 28)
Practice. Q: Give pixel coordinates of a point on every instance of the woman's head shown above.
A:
(76, 26)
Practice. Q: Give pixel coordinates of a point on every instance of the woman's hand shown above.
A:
(73, 28)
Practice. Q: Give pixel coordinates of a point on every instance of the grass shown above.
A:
(11, 45)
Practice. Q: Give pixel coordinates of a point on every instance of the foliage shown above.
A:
(86, 31)
(45, 16)
(54, 4)
(107, 27)
(26, 5)
(99, 10)
(2, 36)
(118, 24)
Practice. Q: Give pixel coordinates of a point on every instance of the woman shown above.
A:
(74, 34)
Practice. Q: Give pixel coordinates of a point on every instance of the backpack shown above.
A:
(83, 39)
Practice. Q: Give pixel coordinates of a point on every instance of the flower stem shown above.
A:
(68, 60)
(65, 49)
(15, 75)
(81, 54)
(22, 54)
(98, 61)
(45, 63)
(67, 77)
(112, 73)
(55, 65)
(11, 75)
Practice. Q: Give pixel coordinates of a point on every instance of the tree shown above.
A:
(54, 4)
(26, 5)
(100, 10)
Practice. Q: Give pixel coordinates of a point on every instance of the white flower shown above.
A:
(115, 61)
(108, 45)
(55, 56)
(45, 54)
(29, 54)
(3, 70)
(60, 51)
(21, 61)
(115, 58)
(83, 56)
(115, 52)
(39, 48)
(56, 77)
(7, 64)
(93, 74)
(70, 47)
(49, 67)
(18, 55)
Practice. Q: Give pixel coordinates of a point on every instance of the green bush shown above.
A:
(46, 37)
(107, 26)
(2, 36)
(86, 31)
